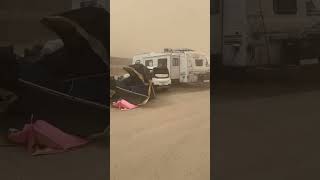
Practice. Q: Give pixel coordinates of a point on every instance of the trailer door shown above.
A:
(234, 33)
(175, 67)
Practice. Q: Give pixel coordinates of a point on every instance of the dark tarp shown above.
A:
(8, 68)
(85, 29)
(73, 115)
(69, 88)
(85, 33)
(137, 88)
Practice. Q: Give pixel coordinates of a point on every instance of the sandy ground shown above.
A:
(90, 162)
(267, 138)
(167, 139)
(267, 129)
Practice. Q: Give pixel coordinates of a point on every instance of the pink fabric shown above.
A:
(124, 105)
(43, 138)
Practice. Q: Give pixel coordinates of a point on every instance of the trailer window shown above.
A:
(149, 63)
(175, 62)
(199, 62)
(285, 6)
(313, 8)
(162, 62)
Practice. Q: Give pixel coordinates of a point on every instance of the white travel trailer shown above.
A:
(184, 65)
(266, 32)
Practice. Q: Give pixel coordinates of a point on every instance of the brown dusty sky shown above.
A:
(151, 25)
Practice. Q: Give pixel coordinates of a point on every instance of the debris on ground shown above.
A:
(124, 105)
(137, 88)
(42, 138)
(63, 81)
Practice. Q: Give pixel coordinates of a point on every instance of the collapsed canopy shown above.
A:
(85, 33)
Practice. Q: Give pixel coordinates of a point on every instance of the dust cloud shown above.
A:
(150, 25)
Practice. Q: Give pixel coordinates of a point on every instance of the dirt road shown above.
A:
(90, 162)
(267, 129)
(167, 139)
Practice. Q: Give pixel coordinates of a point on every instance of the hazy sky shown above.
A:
(151, 25)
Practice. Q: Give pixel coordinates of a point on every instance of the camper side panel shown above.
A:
(216, 21)
(183, 68)
(280, 27)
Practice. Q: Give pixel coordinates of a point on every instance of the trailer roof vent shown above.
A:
(177, 50)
